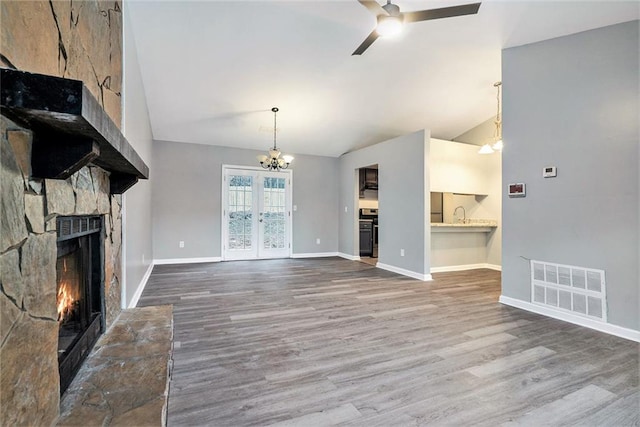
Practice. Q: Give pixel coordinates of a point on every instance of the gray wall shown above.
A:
(403, 197)
(137, 250)
(186, 199)
(572, 102)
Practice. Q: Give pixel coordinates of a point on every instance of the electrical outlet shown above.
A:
(318, 241)
(181, 243)
(401, 252)
(143, 259)
(346, 209)
(295, 208)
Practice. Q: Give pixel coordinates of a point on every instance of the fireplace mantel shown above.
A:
(71, 129)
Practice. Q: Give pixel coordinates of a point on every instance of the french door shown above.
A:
(256, 214)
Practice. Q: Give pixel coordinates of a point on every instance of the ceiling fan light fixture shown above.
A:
(390, 21)
(389, 26)
(498, 145)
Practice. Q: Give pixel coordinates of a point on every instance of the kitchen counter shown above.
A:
(469, 226)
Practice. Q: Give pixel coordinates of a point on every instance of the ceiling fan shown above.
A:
(390, 19)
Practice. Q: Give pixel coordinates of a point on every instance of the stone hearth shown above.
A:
(125, 379)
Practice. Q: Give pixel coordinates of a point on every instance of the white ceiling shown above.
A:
(212, 70)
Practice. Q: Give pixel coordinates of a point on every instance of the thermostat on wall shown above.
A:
(549, 172)
(517, 190)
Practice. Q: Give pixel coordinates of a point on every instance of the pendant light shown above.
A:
(273, 161)
(497, 135)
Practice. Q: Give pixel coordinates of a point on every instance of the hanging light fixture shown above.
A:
(497, 136)
(273, 161)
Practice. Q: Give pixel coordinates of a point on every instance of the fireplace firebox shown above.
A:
(80, 291)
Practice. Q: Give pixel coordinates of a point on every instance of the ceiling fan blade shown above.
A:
(366, 43)
(373, 6)
(444, 12)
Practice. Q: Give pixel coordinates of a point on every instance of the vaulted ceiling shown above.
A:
(212, 70)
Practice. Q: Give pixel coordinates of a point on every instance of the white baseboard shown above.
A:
(409, 273)
(349, 257)
(607, 328)
(186, 260)
(141, 286)
(314, 255)
(464, 267)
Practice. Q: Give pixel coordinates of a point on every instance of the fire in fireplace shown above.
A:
(80, 291)
(69, 295)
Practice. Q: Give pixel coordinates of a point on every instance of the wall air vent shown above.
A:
(568, 288)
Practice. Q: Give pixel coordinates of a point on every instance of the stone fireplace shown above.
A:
(65, 165)
(49, 171)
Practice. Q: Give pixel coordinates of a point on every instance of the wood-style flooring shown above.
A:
(319, 342)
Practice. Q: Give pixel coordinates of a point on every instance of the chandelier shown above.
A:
(497, 135)
(273, 161)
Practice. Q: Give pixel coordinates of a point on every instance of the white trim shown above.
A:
(186, 260)
(607, 328)
(349, 257)
(253, 168)
(409, 273)
(464, 267)
(138, 293)
(314, 255)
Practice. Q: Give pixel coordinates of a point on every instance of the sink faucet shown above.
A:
(464, 213)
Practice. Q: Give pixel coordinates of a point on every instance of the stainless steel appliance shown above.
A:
(369, 232)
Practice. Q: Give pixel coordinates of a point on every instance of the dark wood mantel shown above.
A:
(71, 129)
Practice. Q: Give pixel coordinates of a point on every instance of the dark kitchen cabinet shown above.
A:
(368, 180)
(366, 238)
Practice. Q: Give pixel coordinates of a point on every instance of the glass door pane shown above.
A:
(240, 236)
(274, 216)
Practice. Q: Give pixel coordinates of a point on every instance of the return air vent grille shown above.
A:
(577, 290)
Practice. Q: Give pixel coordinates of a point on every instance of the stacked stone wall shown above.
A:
(80, 40)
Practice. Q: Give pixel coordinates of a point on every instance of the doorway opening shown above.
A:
(368, 208)
(256, 214)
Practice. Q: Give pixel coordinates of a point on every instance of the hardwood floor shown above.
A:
(317, 342)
